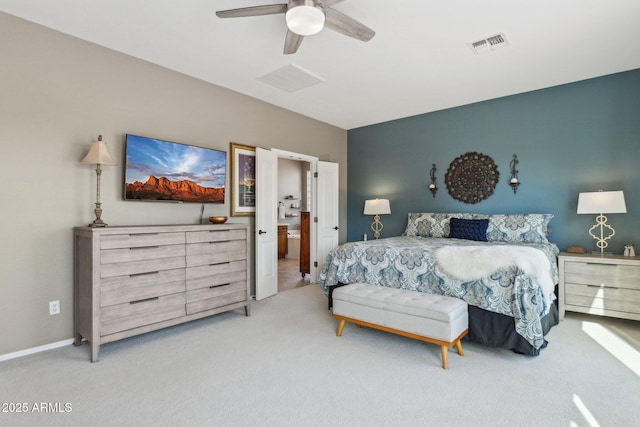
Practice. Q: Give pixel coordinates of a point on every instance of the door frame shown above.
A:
(313, 165)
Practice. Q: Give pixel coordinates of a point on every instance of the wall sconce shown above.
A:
(377, 207)
(514, 182)
(601, 202)
(432, 187)
(98, 154)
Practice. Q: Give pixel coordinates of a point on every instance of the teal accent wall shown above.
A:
(573, 138)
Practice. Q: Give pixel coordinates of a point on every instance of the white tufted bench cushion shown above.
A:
(432, 318)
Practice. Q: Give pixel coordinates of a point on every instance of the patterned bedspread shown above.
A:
(408, 263)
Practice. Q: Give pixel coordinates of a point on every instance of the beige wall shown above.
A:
(57, 94)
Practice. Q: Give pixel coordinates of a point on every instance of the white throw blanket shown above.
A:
(469, 263)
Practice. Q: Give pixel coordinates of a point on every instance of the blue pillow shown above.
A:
(470, 229)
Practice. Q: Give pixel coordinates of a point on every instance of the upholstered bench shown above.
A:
(435, 319)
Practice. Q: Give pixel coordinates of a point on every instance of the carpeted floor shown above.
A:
(284, 366)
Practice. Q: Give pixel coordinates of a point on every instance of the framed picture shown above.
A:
(243, 180)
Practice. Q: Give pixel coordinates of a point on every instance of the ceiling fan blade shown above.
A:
(270, 9)
(327, 3)
(343, 24)
(292, 42)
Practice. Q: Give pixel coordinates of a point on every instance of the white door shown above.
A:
(266, 232)
(327, 210)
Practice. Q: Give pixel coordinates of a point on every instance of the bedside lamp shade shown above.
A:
(377, 207)
(601, 202)
(98, 153)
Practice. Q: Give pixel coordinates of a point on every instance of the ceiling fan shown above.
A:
(305, 18)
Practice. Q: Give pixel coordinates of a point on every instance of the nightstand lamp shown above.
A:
(601, 202)
(377, 207)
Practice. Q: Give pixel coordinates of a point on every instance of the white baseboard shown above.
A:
(33, 350)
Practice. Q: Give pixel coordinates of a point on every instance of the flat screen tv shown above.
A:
(169, 171)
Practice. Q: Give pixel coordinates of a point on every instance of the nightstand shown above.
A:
(606, 285)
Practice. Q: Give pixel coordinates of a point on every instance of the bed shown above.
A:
(503, 266)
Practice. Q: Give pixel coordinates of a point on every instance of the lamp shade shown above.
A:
(599, 202)
(377, 207)
(305, 19)
(98, 153)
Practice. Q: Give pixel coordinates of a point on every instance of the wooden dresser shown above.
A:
(603, 285)
(283, 240)
(132, 280)
(305, 239)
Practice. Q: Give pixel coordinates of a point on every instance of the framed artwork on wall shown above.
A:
(243, 180)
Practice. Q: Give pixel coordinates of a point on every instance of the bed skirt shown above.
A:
(498, 330)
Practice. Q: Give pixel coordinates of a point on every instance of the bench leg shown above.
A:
(459, 348)
(445, 356)
(340, 328)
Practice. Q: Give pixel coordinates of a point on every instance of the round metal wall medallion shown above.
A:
(471, 177)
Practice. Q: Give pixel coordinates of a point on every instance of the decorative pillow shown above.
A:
(428, 224)
(470, 229)
(518, 228)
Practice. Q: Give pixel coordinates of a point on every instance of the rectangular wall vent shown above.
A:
(489, 44)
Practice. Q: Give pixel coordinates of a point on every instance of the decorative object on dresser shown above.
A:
(377, 207)
(601, 202)
(132, 280)
(514, 182)
(305, 243)
(432, 186)
(99, 155)
(471, 177)
(629, 250)
(603, 285)
(217, 219)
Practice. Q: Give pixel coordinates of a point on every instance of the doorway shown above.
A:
(323, 217)
(294, 207)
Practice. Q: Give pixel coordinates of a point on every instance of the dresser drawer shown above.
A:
(121, 289)
(216, 274)
(141, 253)
(216, 296)
(215, 235)
(610, 275)
(216, 252)
(117, 318)
(132, 240)
(141, 267)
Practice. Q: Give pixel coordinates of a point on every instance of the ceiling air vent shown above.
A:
(291, 78)
(489, 44)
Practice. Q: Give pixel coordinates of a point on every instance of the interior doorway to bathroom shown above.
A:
(294, 204)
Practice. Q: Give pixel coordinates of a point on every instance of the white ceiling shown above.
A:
(419, 60)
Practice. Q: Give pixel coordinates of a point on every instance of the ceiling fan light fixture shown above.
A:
(305, 19)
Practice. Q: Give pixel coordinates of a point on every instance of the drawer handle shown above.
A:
(144, 247)
(143, 234)
(144, 300)
(219, 286)
(220, 241)
(597, 263)
(601, 287)
(219, 263)
(144, 274)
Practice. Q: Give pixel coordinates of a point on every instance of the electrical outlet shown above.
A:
(54, 307)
